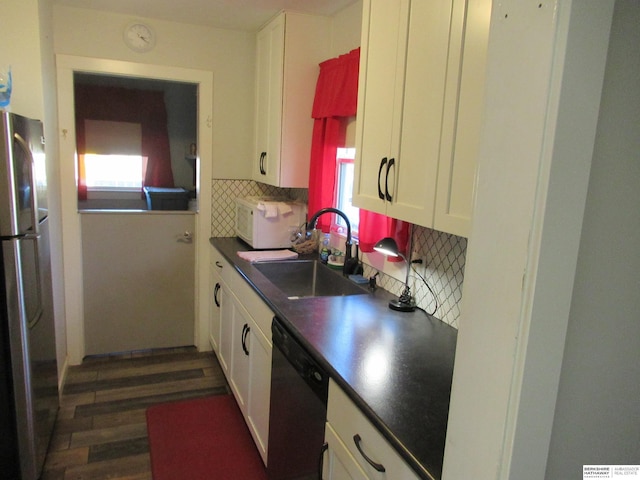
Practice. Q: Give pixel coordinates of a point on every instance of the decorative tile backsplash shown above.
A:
(223, 197)
(444, 273)
(445, 253)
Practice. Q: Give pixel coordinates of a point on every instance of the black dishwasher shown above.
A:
(298, 410)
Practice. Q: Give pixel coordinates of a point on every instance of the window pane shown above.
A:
(344, 193)
(114, 171)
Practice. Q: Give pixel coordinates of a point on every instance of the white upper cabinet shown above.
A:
(289, 50)
(419, 109)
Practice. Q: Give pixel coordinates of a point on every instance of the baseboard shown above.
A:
(62, 377)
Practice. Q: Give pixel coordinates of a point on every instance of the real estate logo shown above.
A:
(629, 472)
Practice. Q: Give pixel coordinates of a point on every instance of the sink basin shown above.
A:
(307, 278)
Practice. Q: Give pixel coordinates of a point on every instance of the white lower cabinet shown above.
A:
(338, 463)
(241, 326)
(250, 376)
(356, 450)
(257, 415)
(225, 325)
(244, 348)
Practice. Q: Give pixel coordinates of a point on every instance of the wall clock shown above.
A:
(139, 37)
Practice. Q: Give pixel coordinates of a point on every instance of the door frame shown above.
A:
(72, 244)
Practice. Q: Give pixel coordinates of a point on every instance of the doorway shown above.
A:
(130, 133)
(67, 67)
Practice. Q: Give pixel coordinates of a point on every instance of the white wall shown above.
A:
(228, 54)
(545, 70)
(346, 28)
(21, 48)
(50, 119)
(597, 412)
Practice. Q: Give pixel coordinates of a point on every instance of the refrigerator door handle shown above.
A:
(32, 180)
(37, 314)
(28, 279)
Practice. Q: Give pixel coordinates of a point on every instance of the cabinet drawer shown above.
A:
(224, 268)
(348, 422)
(256, 307)
(338, 463)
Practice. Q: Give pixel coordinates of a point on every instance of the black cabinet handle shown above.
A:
(218, 264)
(262, 157)
(383, 162)
(243, 340)
(324, 448)
(378, 466)
(390, 164)
(215, 294)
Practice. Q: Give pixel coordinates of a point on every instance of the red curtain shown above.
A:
(336, 100)
(96, 102)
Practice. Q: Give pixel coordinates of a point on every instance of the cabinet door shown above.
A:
(420, 110)
(417, 161)
(259, 389)
(380, 91)
(215, 297)
(363, 441)
(403, 69)
(240, 366)
(226, 328)
(269, 80)
(306, 45)
(338, 463)
(462, 122)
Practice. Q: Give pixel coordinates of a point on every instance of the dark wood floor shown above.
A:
(101, 431)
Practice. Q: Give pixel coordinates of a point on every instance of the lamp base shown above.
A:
(405, 302)
(401, 306)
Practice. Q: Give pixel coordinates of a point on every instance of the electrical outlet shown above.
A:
(419, 261)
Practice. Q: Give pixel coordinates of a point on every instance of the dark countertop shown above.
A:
(396, 367)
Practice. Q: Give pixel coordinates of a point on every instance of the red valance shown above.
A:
(337, 87)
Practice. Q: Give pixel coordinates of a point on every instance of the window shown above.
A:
(112, 159)
(120, 172)
(344, 188)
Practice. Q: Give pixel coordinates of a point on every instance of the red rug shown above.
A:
(203, 439)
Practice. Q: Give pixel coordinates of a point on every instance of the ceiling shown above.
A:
(233, 14)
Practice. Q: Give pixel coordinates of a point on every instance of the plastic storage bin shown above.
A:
(159, 198)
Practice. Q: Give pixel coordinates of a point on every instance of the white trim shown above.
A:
(66, 66)
(62, 376)
(545, 68)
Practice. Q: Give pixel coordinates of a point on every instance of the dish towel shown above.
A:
(284, 208)
(268, 209)
(267, 255)
(271, 209)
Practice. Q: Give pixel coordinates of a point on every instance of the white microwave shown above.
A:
(268, 222)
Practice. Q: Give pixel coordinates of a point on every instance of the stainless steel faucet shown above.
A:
(311, 225)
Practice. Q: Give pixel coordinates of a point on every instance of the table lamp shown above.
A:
(405, 303)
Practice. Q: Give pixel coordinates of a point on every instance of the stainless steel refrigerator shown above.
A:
(28, 371)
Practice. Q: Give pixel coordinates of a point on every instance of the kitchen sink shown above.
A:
(307, 278)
